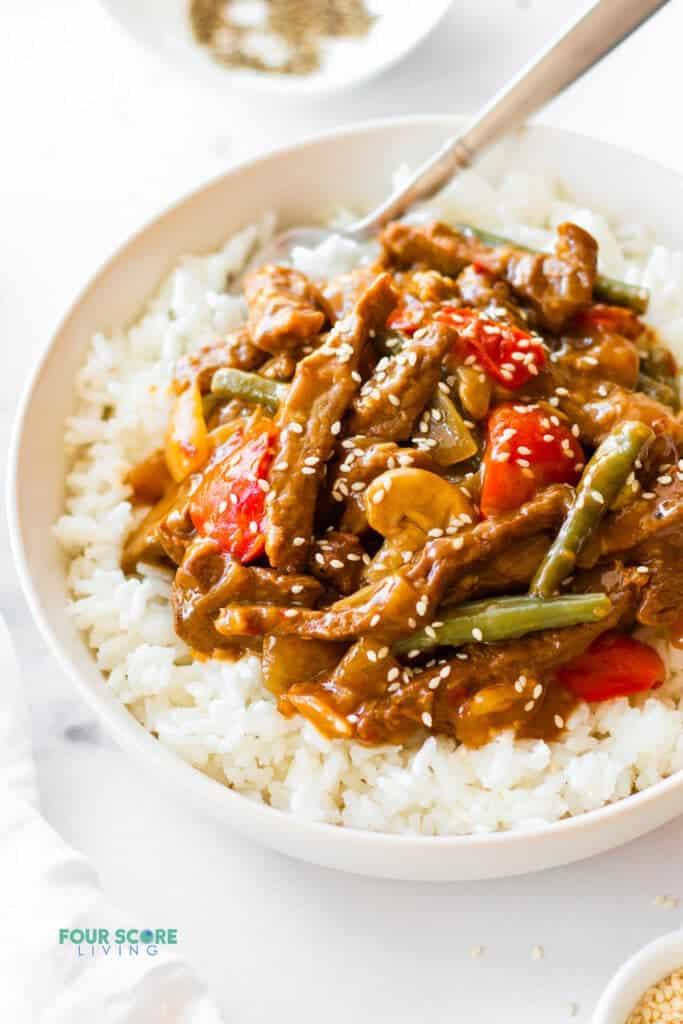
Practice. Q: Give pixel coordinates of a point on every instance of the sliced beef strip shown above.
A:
(641, 522)
(337, 560)
(389, 608)
(556, 285)
(441, 691)
(310, 418)
(392, 399)
(505, 573)
(208, 580)
(433, 246)
(286, 310)
(235, 351)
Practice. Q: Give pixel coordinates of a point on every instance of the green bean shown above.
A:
(607, 289)
(601, 482)
(252, 386)
(506, 618)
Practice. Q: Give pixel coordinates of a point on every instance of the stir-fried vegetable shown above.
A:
(527, 448)
(230, 503)
(252, 386)
(449, 440)
(607, 289)
(187, 446)
(615, 665)
(508, 354)
(506, 618)
(601, 483)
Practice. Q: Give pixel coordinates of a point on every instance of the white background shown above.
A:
(95, 136)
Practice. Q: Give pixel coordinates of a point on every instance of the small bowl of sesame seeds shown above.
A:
(283, 48)
(648, 989)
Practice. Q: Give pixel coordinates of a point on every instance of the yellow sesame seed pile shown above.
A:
(661, 1004)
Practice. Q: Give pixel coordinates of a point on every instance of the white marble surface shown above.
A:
(96, 136)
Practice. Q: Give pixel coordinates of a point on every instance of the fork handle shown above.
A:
(588, 39)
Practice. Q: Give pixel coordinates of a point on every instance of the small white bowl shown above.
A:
(401, 25)
(348, 168)
(651, 965)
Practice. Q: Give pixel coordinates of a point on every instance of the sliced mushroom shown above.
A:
(405, 505)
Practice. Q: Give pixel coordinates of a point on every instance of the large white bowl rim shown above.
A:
(612, 179)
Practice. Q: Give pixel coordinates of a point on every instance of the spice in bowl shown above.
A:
(662, 1003)
(281, 36)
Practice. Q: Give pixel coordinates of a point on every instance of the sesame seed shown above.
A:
(394, 399)
(356, 376)
(427, 719)
(431, 632)
(597, 496)
(336, 563)
(561, 391)
(421, 606)
(392, 674)
(524, 463)
(538, 691)
(649, 495)
(295, 427)
(298, 541)
(530, 705)
(414, 653)
(445, 672)
(290, 613)
(412, 623)
(644, 569)
(665, 479)
(523, 450)
(559, 721)
(378, 496)
(375, 619)
(477, 634)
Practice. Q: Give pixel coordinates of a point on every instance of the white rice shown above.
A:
(217, 715)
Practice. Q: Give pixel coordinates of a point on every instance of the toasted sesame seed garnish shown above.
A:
(298, 541)
(559, 721)
(295, 427)
(649, 495)
(375, 619)
(597, 496)
(412, 623)
(414, 653)
(477, 634)
(290, 613)
(431, 632)
(524, 463)
(378, 496)
(393, 673)
(530, 705)
(308, 470)
(523, 450)
(427, 719)
(421, 606)
(537, 691)
(664, 479)
(356, 376)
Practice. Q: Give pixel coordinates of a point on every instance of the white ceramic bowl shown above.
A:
(350, 168)
(653, 963)
(401, 25)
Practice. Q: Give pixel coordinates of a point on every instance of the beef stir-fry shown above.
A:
(437, 495)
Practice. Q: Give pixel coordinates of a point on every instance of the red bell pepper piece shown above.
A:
(230, 503)
(615, 665)
(527, 448)
(507, 353)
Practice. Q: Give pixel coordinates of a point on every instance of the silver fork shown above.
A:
(588, 39)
